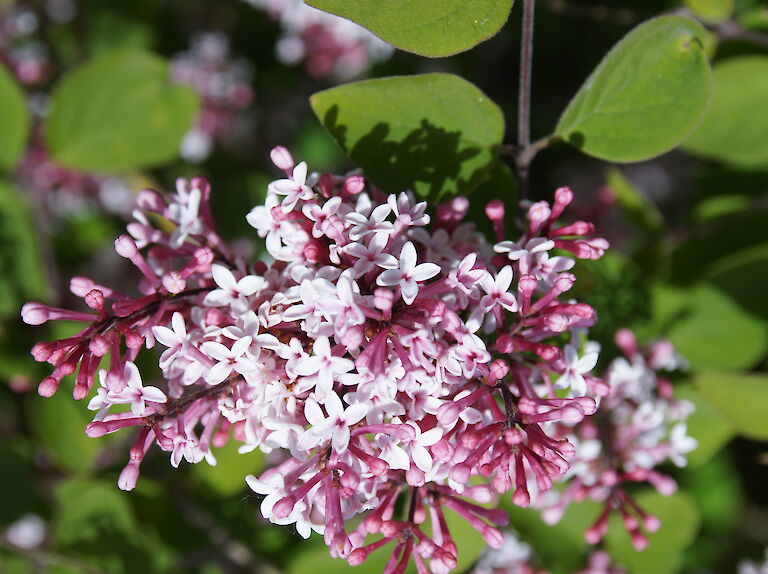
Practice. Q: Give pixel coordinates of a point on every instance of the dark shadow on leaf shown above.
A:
(429, 159)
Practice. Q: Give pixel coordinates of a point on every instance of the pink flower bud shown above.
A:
(48, 387)
(126, 247)
(34, 313)
(282, 158)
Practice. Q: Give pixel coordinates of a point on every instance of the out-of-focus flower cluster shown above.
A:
(224, 86)
(328, 45)
(387, 358)
(750, 567)
(20, 49)
(639, 425)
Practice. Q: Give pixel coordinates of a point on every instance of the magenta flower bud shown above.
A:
(34, 313)
(48, 387)
(282, 158)
(42, 352)
(150, 200)
(357, 557)
(495, 210)
(442, 450)
(578, 228)
(639, 540)
(626, 341)
(126, 247)
(493, 537)
(284, 507)
(128, 476)
(538, 215)
(80, 286)
(174, 282)
(563, 197)
(414, 476)
(99, 345)
(651, 523)
(497, 370)
(95, 299)
(521, 498)
(505, 344)
(383, 299)
(354, 184)
(460, 473)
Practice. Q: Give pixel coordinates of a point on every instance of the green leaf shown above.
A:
(645, 97)
(718, 242)
(95, 523)
(714, 333)
(707, 425)
(14, 120)
(59, 424)
(743, 277)
(735, 130)
(711, 9)
(680, 520)
(741, 398)
(118, 112)
(433, 133)
(425, 27)
(227, 478)
(634, 202)
(567, 556)
(21, 272)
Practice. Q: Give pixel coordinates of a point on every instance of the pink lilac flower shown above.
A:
(327, 45)
(640, 424)
(370, 384)
(224, 86)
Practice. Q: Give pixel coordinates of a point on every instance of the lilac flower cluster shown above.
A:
(384, 356)
(224, 86)
(516, 557)
(751, 567)
(25, 56)
(639, 425)
(328, 45)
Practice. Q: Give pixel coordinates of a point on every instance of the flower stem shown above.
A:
(524, 95)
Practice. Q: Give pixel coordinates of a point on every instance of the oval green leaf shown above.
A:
(713, 10)
(741, 398)
(117, 113)
(707, 425)
(735, 130)
(425, 27)
(14, 120)
(58, 423)
(433, 133)
(645, 97)
(712, 332)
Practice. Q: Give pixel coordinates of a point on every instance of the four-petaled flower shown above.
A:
(408, 274)
(134, 393)
(335, 426)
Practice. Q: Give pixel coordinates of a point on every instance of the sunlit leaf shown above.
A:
(645, 97)
(711, 9)
(117, 113)
(425, 27)
(735, 129)
(742, 398)
(714, 333)
(711, 429)
(14, 120)
(433, 133)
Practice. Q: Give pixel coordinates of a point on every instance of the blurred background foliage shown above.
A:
(102, 119)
